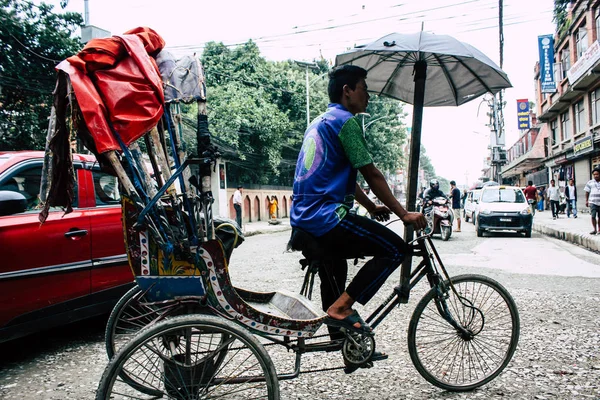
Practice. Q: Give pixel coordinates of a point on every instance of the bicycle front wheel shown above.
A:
(191, 357)
(469, 355)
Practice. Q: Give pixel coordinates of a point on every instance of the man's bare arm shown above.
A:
(363, 199)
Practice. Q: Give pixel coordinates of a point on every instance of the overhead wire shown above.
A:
(267, 42)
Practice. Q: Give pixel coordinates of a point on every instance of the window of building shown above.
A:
(565, 124)
(554, 132)
(581, 40)
(595, 100)
(565, 63)
(580, 120)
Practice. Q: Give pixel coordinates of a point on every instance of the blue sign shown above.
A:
(523, 113)
(546, 48)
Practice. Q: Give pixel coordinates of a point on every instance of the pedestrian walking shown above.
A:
(456, 202)
(571, 196)
(592, 197)
(554, 195)
(237, 205)
(531, 196)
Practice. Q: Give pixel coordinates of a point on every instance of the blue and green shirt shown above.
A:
(333, 149)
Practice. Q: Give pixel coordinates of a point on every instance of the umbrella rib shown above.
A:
(475, 75)
(448, 78)
(399, 65)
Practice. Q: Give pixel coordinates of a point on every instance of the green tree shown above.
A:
(425, 164)
(386, 133)
(33, 39)
(257, 110)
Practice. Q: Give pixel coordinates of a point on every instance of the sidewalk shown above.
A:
(256, 228)
(573, 230)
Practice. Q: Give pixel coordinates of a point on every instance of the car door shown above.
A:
(43, 265)
(110, 266)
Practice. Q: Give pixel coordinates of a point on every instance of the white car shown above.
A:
(503, 208)
(471, 204)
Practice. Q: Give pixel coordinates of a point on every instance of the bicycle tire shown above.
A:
(112, 325)
(442, 344)
(182, 371)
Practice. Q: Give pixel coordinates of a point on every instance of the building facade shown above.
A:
(526, 158)
(571, 114)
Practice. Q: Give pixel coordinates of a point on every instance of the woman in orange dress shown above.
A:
(273, 207)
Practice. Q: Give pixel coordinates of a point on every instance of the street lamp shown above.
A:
(366, 126)
(312, 66)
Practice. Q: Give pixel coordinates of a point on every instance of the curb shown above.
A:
(282, 228)
(584, 240)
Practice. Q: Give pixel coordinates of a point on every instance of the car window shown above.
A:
(106, 188)
(26, 181)
(476, 195)
(502, 196)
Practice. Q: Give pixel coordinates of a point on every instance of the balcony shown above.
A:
(584, 72)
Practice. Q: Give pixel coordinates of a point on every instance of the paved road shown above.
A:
(556, 287)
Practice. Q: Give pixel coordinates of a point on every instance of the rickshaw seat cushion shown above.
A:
(306, 243)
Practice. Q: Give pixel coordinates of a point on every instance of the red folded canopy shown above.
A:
(116, 82)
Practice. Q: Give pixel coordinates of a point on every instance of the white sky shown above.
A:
(310, 29)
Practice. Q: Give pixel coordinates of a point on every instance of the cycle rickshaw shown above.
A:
(185, 332)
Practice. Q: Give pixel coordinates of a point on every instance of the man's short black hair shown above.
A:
(453, 183)
(597, 169)
(240, 187)
(344, 75)
(530, 183)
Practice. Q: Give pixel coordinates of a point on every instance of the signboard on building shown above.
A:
(587, 60)
(523, 113)
(546, 49)
(583, 145)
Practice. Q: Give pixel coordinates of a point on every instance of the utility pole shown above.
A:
(312, 66)
(497, 139)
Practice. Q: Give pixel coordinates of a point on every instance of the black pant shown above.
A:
(554, 206)
(354, 237)
(238, 214)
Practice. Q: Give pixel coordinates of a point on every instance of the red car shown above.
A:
(73, 266)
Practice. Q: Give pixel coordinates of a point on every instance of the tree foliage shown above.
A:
(386, 133)
(33, 39)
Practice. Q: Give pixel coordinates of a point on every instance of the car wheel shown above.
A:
(466, 217)
(528, 233)
(479, 230)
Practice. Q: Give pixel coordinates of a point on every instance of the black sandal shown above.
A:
(348, 323)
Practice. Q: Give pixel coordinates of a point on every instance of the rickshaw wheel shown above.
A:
(191, 357)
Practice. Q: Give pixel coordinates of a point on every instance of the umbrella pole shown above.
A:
(413, 170)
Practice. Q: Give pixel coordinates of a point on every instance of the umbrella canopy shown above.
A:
(456, 72)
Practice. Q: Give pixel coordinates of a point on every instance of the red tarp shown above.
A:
(117, 82)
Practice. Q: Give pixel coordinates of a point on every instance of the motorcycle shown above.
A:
(439, 217)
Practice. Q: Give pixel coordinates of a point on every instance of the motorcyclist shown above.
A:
(433, 192)
(430, 194)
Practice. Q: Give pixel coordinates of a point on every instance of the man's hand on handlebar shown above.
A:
(381, 213)
(417, 220)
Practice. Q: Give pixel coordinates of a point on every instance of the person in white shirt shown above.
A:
(237, 205)
(592, 197)
(571, 195)
(554, 197)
